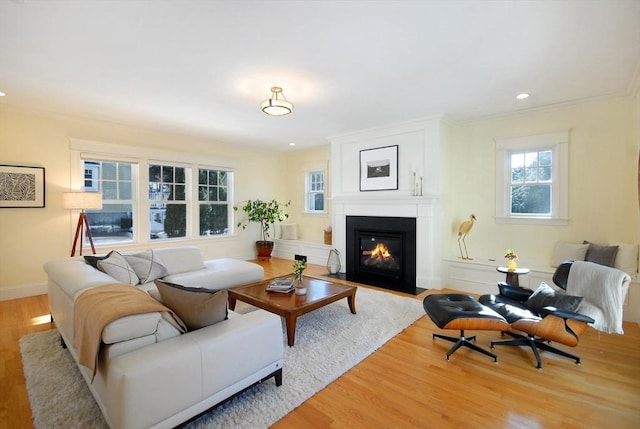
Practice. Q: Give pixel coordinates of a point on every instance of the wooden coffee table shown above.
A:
(290, 305)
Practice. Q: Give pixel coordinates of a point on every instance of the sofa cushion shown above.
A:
(147, 265)
(181, 259)
(545, 296)
(603, 255)
(197, 307)
(117, 267)
(627, 258)
(568, 252)
(220, 273)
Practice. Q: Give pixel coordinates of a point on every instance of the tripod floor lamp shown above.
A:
(82, 201)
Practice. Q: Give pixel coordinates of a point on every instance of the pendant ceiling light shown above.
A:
(277, 105)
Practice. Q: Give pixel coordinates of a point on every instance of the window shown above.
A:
(213, 201)
(167, 201)
(151, 195)
(314, 192)
(531, 182)
(531, 178)
(114, 222)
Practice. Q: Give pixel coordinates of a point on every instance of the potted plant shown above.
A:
(266, 213)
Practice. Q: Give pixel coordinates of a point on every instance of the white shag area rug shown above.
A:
(329, 341)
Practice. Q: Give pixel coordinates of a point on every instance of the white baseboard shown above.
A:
(22, 291)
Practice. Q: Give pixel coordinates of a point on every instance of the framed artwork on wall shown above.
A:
(379, 169)
(21, 186)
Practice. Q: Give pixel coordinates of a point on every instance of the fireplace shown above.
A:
(381, 251)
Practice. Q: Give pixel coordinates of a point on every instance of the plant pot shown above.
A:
(264, 249)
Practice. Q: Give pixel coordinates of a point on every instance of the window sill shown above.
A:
(532, 221)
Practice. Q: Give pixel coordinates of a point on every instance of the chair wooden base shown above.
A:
(534, 343)
(463, 341)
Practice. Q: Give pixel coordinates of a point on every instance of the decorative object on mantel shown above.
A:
(379, 169)
(511, 257)
(298, 269)
(82, 201)
(266, 213)
(21, 186)
(416, 183)
(276, 106)
(464, 229)
(333, 262)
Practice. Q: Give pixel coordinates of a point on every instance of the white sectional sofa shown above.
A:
(148, 373)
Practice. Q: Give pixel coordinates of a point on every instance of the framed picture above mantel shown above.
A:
(379, 169)
(21, 186)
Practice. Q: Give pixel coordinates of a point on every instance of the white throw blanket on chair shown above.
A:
(604, 290)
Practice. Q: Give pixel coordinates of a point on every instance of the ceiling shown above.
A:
(203, 67)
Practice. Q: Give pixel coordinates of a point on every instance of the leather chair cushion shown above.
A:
(508, 308)
(459, 311)
(546, 296)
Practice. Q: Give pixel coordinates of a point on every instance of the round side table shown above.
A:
(512, 276)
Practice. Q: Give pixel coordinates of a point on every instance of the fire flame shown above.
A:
(380, 252)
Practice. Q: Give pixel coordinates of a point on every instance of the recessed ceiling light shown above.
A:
(2, 94)
(292, 144)
(522, 96)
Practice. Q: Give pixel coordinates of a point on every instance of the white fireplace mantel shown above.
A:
(425, 209)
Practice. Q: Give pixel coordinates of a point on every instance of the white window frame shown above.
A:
(89, 149)
(308, 191)
(558, 143)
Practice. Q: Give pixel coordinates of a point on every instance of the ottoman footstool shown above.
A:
(462, 312)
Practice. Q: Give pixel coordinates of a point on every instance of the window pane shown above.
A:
(213, 219)
(112, 224)
(222, 178)
(202, 177)
(109, 191)
(203, 193)
(213, 177)
(545, 157)
(222, 194)
(179, 175)
(180, 193)
(213, 195)
(154, 173)
(167, 174)
(175, 220)
(531, 174)
(531, 159)
(517, 160)
(544, 174)
(517, 174)
(534, 199)
(124, 171)
(109, 170)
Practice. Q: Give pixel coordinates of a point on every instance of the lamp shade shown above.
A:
(277, 105)
(82, 200)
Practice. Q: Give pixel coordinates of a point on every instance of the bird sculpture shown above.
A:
(464, 229)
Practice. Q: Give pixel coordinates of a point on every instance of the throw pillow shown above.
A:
(117, 267)
(93, 260)
(603, 255)
(289, 231)
(627, 258)
(546, 296)
(147, 265)
(197, 307)
(568, 252)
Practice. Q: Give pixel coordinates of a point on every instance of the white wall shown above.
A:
(30, 237)
(603, 193)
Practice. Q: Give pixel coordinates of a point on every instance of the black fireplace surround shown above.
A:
(381, 251)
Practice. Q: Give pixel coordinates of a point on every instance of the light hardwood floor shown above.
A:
(408, 383)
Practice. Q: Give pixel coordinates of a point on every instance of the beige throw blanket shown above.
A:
(96, 308)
